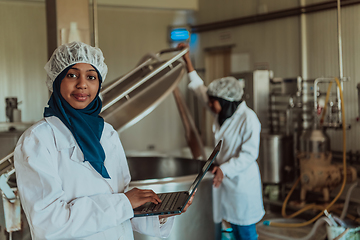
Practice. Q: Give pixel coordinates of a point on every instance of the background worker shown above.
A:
(237, 192)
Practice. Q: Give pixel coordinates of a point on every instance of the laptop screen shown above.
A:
(205, 168)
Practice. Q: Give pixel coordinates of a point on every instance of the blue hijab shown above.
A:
(85, 124)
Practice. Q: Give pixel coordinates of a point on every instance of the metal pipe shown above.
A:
(95, 24)
(341, 70)
(292, 12)
(153, 73)
(318, 80)
(121, 79)
(6, 158)
(358, 89)
(303, 40)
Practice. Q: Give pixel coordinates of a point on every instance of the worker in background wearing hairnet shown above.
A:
(71, 168)
(237, 192)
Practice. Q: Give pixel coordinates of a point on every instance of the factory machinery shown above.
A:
(300, 112)
(296, 148)
(296, 143)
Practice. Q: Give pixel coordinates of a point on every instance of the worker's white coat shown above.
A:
(66, 198)
(238, 200)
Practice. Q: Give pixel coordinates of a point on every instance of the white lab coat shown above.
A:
(238, 200)
(66, 198)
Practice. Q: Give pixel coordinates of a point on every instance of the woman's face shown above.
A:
(80, 85)
(214, 105)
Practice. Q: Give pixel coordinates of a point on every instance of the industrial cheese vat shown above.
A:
(167, 174)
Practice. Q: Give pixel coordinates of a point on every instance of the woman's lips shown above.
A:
(81, 97)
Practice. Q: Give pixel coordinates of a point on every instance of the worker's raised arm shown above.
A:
(186, 57)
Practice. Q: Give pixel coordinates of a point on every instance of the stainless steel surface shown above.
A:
(304, 42)
(164, 174)
(307, 97)
(314, 141)
(276, 158)
(191, 134)
(284, 109)
(256, 93)
(338, 99)
(135, 95)
(289, 86)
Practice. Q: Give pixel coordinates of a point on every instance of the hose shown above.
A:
(317, 224)
(342, 186)
(347, 200)
(318, 207)
(342, 234)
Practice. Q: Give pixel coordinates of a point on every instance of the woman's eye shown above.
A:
(71, 75)
(92, 77)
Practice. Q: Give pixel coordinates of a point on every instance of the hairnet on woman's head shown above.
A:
(228, 88)
(73, 53)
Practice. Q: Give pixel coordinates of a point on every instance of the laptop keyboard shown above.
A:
(168, 201)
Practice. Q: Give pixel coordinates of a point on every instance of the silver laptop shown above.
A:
(174, 202)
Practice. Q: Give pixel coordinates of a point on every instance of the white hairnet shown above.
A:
(72, 53)
(228, 88)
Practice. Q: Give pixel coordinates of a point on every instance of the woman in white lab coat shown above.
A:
(237, 192)
(71, 168)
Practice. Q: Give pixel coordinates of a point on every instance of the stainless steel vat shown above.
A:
(134, 95)
(276, 158)
(166, 174)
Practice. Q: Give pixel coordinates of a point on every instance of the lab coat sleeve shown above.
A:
(246, 149)
(151, 226)
(42, 197)
(197, 86)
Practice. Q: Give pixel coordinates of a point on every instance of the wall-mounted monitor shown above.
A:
(178, 34)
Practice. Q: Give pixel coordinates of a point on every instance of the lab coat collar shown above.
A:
(216, 126)
(64, 138)
(241, 107)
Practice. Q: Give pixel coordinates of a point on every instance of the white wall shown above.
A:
(22, 58)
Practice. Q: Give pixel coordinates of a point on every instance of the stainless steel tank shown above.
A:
(276, 157)
(167, 174)
(314, 141)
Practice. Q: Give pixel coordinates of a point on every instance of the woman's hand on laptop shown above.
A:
(138, 197)
(184, 210)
